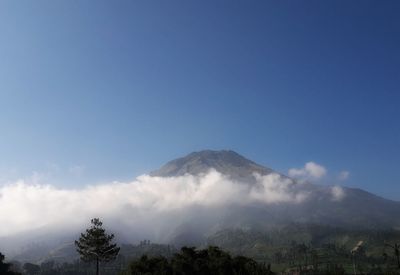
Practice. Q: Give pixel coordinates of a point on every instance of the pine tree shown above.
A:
(95, 245)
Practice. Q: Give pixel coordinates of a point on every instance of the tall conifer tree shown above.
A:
(96, 245)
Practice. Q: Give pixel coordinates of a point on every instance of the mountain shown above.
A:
(225, 162)
(266, 203)
(355, 208)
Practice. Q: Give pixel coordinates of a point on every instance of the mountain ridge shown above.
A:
(356, 208)
(227, 162)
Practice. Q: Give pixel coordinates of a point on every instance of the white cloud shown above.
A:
(337, 193)
(28, 205)
(273, 188)
(344, 175)
(310, 171)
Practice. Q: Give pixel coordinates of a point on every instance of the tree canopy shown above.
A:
(5, 268)
(195, 262)
(96, 245)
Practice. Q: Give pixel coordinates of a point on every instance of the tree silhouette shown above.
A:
(5, 267)
(190, 261)
(31, 269)
(157, 266)
(396, 250)
(95, 245)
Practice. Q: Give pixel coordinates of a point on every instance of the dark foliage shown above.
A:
(5, 268)
(190, 261)
(31, 269)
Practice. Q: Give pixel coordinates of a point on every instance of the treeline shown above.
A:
(291, 250)
(188, 261)
(316, 249)
(300, 259)
(198, 262)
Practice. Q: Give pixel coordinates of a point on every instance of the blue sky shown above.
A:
(93, 91)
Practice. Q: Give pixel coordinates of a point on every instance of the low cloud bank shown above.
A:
(26, 206)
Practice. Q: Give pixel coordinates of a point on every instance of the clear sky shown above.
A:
(93, 91)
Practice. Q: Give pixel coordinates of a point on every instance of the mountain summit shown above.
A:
(226, 162)
(324, 204)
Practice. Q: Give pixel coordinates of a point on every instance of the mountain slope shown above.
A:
(354, 209)
(225, 162)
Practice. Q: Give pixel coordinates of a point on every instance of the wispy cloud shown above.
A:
(310, 171)
(338, 193)
(344, 175)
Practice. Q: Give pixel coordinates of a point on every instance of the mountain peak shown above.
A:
(227, 162)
